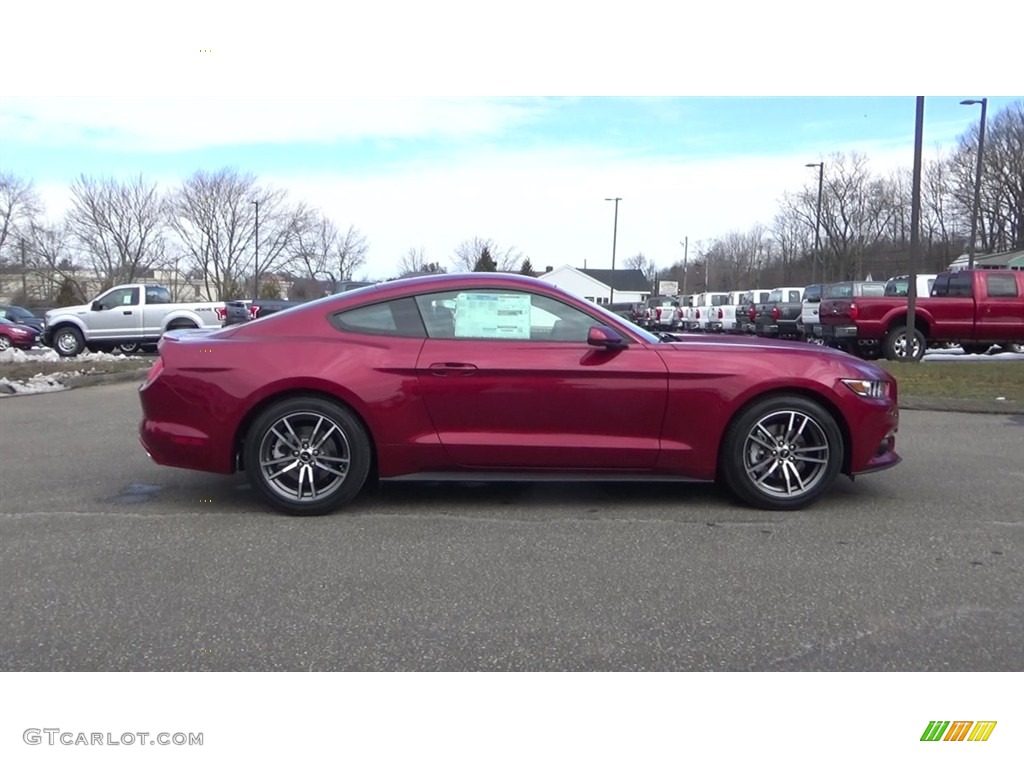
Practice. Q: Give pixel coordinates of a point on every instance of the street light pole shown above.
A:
(256, 270)
(977, 179)
(615, 234)
(817, 224)
(686, 249)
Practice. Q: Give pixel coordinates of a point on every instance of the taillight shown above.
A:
(254, 311)
(222, 313)
(853, 311)
(752, 313)
(720, 314)
(696, 314)
(775, 313)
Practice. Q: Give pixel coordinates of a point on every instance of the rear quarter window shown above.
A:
(390, 318)
(1001, 286)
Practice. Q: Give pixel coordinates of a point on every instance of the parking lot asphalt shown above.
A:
(109, 562)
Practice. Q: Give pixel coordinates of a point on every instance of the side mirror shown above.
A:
(604, 336)
(96, 306)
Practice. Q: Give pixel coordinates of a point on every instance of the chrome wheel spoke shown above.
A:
(316, 445)
(332, 470)
(293, 446)
(280, 472)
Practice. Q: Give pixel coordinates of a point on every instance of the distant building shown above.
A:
(1005, 260)
(596, 285)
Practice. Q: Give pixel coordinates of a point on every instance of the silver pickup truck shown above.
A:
(125, 317)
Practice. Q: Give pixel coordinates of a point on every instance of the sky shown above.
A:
(426, 125)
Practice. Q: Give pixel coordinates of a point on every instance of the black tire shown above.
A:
(975, 349)
(329, 447)
(1013, 347)
(813, 453)
(5, 343)
(896, 344)
(68, 341)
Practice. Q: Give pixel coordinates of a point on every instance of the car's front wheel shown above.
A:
(68, 341)
(781, 453)
(307, 456)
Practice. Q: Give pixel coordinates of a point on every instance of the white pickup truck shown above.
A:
(706, 307)
(125, 317)
(723, 319)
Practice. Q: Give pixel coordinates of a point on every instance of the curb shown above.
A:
(912, 403)
(77, 382)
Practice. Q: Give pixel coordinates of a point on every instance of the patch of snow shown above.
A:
(13, 355)
(41, 382)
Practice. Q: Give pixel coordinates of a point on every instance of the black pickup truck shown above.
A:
(247, 309)
(779, 317)
(244, 310)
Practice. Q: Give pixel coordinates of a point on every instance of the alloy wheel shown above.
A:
(786, 454)
(304, 456)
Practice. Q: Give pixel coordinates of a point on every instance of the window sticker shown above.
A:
(492, 316)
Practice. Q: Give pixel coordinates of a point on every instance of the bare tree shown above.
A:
(119, 226)
(645, 265)
(53, 261)
(469, 252)
(413, 262)
(320, 248)
(213, 215)
(20, 207)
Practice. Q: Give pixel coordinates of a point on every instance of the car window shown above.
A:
(398, 317)
(1001, 285)
(960, 284)
(122, 297)
(794, 297)
(157, 295)
(840, 290)
(501, 314)
(872, 289)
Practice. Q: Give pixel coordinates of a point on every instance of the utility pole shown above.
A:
(685, 242)
(256, 260)
(615, 233)
(977, 179)
(915, 242)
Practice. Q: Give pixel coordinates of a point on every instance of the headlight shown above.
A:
(879, 390)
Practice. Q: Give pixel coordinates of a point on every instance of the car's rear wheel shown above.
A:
(307, 456)
(781, 453)
(899, 347)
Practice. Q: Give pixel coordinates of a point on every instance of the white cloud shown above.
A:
(149, 124)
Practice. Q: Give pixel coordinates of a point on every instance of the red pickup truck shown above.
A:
(973, 308)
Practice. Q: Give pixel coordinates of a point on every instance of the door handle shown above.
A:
(127, 312)
(453, 369)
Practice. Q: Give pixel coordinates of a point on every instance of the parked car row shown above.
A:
(974, 309)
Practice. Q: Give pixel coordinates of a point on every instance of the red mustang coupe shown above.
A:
(494, 376)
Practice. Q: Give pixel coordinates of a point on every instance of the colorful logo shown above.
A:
(958, 730)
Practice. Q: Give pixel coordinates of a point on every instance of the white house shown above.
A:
(601, 286)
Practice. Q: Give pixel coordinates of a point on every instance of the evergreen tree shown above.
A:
(527, 268)
(486, 262)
